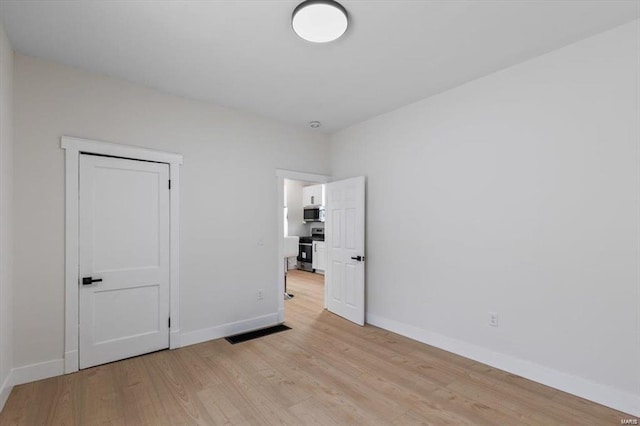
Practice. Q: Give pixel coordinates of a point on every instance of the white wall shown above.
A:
(228, 188)
(515, 193)
(6, 214)
(295, 217)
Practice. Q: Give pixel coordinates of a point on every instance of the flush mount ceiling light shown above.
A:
(314, 124)
(319, 21)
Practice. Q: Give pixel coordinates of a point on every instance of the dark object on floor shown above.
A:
(239, 338)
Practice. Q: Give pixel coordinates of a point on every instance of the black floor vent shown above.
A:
(239, 338)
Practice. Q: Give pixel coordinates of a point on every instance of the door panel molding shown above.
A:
(124, 227)
(73, 148)
(345, 227)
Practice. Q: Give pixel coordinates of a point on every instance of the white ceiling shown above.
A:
(244, 55)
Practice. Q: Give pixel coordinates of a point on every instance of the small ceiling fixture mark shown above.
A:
(319, 21)
(314, 124)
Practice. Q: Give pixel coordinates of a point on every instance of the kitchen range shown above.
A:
(309, 248)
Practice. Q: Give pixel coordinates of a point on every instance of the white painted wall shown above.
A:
(295, 216)
(6, 215)
(515, 193)
(228, 189)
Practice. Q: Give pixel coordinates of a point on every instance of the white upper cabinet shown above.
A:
(313, 195)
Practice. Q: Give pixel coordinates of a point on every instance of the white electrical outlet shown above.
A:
(260, 295)
(493, 319)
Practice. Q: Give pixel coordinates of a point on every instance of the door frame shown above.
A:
(281, 175)
(74, 147)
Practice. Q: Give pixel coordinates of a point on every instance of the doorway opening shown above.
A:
(305, 252)
(302, 254)
(343, 292)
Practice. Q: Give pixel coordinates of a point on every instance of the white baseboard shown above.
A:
(228, 329)
(602, 394)
(39, 371)
(5, 389)
(57, 367)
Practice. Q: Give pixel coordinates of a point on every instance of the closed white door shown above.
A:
(124, 258)
(344, 238)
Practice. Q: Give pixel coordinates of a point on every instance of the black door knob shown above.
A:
(90, 280)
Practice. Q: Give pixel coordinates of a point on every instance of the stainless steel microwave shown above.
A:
(314, 214)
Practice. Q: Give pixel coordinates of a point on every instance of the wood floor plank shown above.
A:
(325, 371)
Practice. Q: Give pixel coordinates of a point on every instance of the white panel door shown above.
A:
(344, 238)
(124, 245)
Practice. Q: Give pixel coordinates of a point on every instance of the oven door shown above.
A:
(305, 253)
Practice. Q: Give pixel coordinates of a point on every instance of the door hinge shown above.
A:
(169, 322)
(169, 183)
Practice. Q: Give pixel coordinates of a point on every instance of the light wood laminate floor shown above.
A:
(324, 371)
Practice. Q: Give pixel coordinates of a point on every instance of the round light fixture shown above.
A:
(314, 124)
(319, 21)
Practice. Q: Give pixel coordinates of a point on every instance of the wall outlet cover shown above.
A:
(493, 319)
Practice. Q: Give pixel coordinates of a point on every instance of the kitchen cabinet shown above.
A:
(313, 195)
(319, 259)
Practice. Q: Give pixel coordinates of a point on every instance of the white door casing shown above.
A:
(344, 239)
(124, 242)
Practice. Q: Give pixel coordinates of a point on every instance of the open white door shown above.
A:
(124, 258)
(344, 236)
